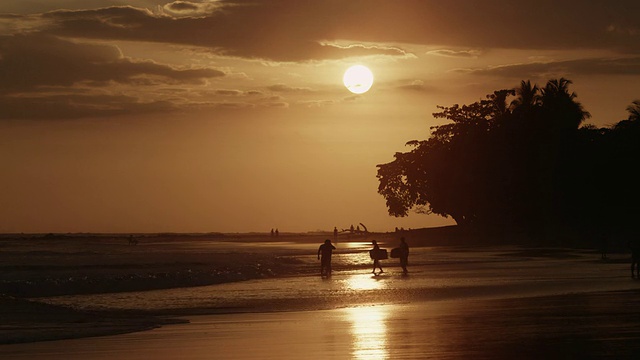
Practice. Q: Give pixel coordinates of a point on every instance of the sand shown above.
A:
(585, 326)
(486, 302)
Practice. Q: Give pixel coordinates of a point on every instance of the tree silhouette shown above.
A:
(520, 165)
(634, 110)
(527, 97)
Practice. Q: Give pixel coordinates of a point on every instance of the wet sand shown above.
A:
(485, 302)
(582, 326)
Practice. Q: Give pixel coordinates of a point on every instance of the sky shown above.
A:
(231, 115)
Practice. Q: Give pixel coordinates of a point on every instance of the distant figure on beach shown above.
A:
(335, 234)
(604, 246)
(325, 250)
(404, 255)
(277, 232)
(376, 259)
(634, 245)
(132, 240)
(272, 232)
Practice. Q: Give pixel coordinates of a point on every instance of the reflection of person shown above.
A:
(376, 261)
(326, 250)
(404, 255)
(634, 244)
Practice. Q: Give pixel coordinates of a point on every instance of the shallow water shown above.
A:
(482, 303)
(435, 274)
(568, 327)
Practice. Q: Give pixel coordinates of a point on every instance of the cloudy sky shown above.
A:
(196, 116)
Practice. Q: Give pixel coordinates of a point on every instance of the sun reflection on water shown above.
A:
(369, 330)
(363, 282)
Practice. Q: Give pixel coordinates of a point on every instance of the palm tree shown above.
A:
(499, 101)
(527, 96)
(561, 107)
(631, 123)
(634, 110)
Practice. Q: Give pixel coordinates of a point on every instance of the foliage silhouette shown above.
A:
(527, 165)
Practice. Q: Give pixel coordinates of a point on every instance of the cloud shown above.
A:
(229, 92)
(233, 105)
(189, 8)
(352, 98)
(317, 103)
(275, 104)
(288, 89)
(416, 85)
(182, 6)
(455, 53)
(31, 61)
(598, 66)
(47, 58)
(293, 31)
(72, 106)
(254, 30)
(42, 76)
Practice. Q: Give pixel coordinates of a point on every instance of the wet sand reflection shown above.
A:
(369, 331)
(363, 282)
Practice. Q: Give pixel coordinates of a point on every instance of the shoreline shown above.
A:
(47, 268)
(53, 323)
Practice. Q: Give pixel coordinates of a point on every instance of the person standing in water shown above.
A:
(374, 255)
(404, 255)
(325, 250)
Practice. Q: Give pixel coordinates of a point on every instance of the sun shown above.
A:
(358, 79)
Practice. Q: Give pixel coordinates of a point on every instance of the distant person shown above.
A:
(132, 240)
(325, 250)
(404, 255)
(634, 245)
(335, 234)
(272, 233)
(375, 256)
(277, 233)
(604, 246)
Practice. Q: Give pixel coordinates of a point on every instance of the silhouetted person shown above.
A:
(277, 232)
(634, 245)
(374, 255)
(325, 250)
(132, 240)
(335, 233)
(404, 255)
(604, 247)
(272, 233)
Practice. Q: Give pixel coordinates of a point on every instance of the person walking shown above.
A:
(375, 255)
(325, 250)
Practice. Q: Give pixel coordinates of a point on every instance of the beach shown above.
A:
(246, 297)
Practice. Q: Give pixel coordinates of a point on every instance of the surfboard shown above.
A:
(379, 254)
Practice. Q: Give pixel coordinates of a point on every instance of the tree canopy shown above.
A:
(521, 159)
